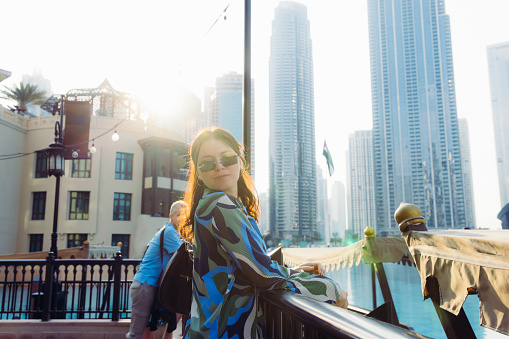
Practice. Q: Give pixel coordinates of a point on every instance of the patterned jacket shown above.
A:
(231, 267)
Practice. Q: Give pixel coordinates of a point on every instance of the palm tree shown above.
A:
(24, 95)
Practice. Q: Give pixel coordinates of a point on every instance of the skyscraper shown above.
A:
(338, 209)
(361, 196)
(466, 166)
(415, 127)
(185, 116)
(292, 124)
(225, 108)
(323, 218)
(498, 66)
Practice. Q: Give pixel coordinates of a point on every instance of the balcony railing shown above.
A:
(66, 288)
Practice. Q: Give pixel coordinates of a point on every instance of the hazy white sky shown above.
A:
(148, 47)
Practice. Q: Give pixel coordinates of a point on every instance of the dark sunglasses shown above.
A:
(225, 161)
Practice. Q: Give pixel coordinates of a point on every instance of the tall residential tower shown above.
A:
(361, 195)
(498, 65)
(223, 108)
(292, 125)
(466, 166)
(415, 128)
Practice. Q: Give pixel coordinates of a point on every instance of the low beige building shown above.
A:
(121, 194)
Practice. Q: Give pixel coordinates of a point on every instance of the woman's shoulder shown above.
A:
(221, 200)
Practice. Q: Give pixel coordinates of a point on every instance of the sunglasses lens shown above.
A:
(228, 161)
(208, 166)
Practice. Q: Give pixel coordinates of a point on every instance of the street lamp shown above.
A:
(55, 162)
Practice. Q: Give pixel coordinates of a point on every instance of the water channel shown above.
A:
(404, 282)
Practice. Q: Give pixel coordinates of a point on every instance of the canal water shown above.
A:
(405, 285)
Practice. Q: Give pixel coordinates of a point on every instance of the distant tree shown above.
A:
(24, 95)
(317, 236)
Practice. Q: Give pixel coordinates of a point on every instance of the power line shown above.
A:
(19, 155)
(222, 14)
(14, 155)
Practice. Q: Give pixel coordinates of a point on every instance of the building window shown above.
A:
(35, 242)
(76, 239)
(124, 166)
(40, 165)
(124, 239)
(79, 205)
(81, 168)
(122, 206)
(38, 205)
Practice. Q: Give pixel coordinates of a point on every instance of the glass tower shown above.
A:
(292, 125)
(498, 66)
(360, 183)
(224, 108)
(415, 128)
(468, 184)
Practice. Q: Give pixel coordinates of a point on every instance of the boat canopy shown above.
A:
(372, 250)
(463, 260)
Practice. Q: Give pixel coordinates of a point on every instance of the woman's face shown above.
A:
(220, 178)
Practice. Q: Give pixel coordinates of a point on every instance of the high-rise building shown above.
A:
(466, 166)
(184, 115)
(323, 219)
(292, 162)
(208, 94)
(498, 65)
(225, 108)
(415, 127)
(338, 210)
(361, 185)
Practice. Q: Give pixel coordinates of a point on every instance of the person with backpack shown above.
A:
(144, 288)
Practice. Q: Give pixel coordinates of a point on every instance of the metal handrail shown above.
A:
(290, 315)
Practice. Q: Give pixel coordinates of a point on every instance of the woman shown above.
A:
(230, 262)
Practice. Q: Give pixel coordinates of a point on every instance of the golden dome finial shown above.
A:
(408, 214)
(369, 232)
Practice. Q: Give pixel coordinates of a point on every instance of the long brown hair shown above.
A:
(194, 192)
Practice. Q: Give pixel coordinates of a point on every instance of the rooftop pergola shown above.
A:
(106, 102)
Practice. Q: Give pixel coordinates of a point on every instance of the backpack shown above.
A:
(158, 311)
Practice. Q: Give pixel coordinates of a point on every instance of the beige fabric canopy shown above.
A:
(372, 250)
(459, 259)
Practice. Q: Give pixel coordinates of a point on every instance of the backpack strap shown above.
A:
(161, 244)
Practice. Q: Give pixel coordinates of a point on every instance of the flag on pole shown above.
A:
(327, 155)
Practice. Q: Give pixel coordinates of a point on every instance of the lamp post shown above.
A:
(55, 162)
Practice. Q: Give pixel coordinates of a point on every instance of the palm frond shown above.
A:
(24, 94)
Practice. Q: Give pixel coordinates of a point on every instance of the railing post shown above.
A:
(82, 292)
(117, 271)
(386, 291)
(373, 285)
(48, 287)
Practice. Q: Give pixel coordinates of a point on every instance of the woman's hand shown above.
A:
(311, 267)
(342, 300)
